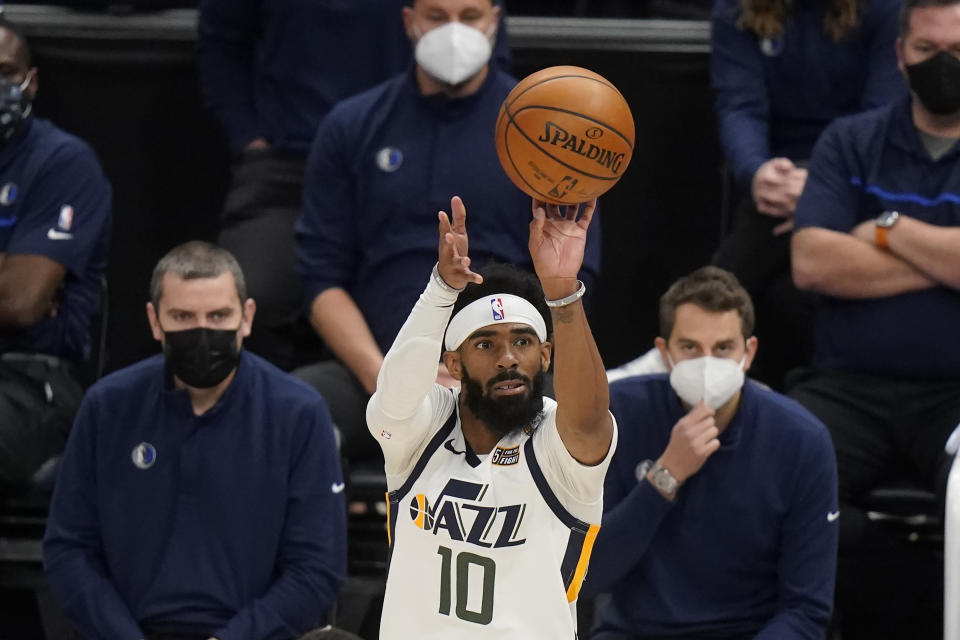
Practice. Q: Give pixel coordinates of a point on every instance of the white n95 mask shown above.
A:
(454, 52)
(713, 380)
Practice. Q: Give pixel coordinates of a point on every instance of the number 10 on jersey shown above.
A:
(462, 567)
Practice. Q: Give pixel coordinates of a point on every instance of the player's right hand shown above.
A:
(453, 261)
(692, 441)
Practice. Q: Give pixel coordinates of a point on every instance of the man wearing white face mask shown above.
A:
(720, 505)
(382, 164)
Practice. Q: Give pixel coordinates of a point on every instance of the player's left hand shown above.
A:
(558, 238)
(453, 259)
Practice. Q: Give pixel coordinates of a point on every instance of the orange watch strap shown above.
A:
(881, 237)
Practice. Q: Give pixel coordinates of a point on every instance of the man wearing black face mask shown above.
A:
(229, 464)
(54, 231)
(878, 227)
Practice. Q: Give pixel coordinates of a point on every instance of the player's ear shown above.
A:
(546, 353)
(453, 363)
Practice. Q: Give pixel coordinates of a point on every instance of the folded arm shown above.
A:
(932, 250)
(840, 265)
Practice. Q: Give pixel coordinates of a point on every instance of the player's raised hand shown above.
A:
(453, 260)
(558, 238)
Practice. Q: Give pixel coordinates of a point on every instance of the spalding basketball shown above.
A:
(565, 135)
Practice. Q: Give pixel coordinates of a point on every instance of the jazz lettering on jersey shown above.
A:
(459, 514)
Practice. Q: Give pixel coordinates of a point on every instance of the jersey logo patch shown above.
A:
(506, 457)
(65, 220)
(458, 513)
(389, 159)
(772, 47)
(144, 455)
(8, 194)
(449, 447)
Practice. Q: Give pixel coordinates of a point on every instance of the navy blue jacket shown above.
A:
(229, 524)
(56, 202)
(774, 99)
(864, 165)
(748, 545)
(274, 68)
(382, 166)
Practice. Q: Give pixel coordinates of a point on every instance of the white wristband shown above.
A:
(441, 282)
(570, 299)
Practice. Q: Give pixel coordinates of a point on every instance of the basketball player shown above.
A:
(495, 491)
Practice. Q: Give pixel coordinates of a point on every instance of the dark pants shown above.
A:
(761, 262)
(263, 203)
(39, 397)
(882, 429)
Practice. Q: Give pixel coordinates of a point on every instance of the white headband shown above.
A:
(493, 309)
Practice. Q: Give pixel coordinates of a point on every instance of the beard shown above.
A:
(506, 414)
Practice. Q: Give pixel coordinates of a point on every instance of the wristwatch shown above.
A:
(884, 222)
(659, 476)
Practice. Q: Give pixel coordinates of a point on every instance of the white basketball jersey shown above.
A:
(481, 547)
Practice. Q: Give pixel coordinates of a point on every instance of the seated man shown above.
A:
(200, 495)
(878, 231)
(270, 71)
(720, 506)
(495, 490)
(54, 232)
(383, 163)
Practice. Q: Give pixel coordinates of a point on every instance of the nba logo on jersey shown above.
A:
(496, 304)
(65, 221)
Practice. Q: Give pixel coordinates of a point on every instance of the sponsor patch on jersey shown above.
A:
(8, 194)
(496, 305)
(389, 159)
(144, 455)
(386, 435)
(506, 457)
(65, 221)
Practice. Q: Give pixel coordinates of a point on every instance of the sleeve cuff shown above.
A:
(439, 293)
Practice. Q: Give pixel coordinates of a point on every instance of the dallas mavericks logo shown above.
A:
(496, 305)
(772, 47)
(458, 511)
(8, 194)
(389, 159)
(144, 455)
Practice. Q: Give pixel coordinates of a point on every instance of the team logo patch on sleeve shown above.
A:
(506, 457)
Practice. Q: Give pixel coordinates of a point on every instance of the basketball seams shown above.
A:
(506, 149)
(573, 113)
(605, 83)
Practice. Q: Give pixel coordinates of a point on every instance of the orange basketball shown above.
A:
(564, 135)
